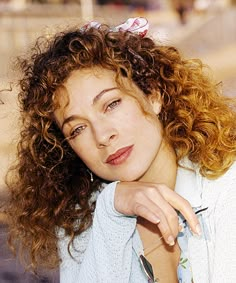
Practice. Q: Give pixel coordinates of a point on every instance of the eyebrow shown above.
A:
(95, 99)
(98, 96)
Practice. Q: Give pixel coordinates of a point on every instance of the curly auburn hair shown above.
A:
(50, 187)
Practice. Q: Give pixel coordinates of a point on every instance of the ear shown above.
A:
(155, 104)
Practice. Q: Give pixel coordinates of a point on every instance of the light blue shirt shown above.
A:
(108, 252)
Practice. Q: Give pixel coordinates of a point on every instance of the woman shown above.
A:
(113, 126)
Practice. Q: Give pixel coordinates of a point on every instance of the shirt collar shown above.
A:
(187, 183)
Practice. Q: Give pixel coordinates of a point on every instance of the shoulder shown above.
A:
(230, 176)
(224, 183)
(201, 191)
(220, 195)
(227, 183)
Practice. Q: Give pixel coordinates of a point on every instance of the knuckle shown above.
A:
(186, 203)
(164, 230)
(138, 208)
(151, 190)
(158, 211)
(139, 195)
(162, 186)
(173, 216)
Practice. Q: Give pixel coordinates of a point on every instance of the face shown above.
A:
(106, 127)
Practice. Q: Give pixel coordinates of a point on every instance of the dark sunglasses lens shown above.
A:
(147, 268)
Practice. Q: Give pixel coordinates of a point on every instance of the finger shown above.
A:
(145, 212)
(166, 233)
(171, 217)
(152, 212)
(184, 207)
(164, 210)
(191, 218)
(169, 224)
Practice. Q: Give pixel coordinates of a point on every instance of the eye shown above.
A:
(77, 131)
(113, 104)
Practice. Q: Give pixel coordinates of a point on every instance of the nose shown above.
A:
(104, 133)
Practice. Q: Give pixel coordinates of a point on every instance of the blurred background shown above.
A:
(204, 29)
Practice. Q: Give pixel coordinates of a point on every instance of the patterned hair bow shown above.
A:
(136, 25)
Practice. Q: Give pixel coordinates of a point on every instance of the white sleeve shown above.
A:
(108, 256)
(224, 270)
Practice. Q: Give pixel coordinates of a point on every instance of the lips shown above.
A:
(119, 156)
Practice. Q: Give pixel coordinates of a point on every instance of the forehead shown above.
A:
(89, 82)
(87, 79)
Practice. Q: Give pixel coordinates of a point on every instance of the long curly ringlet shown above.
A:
(49, 185)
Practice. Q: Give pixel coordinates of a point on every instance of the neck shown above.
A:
(163, 168)
(163, 258)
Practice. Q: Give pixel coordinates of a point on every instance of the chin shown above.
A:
(120, 178)
(131, 177)
(128, 179)
(127, 176)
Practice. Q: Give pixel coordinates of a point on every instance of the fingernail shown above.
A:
(181, 228)
(156, 219)
(198, 230)
(171, 241)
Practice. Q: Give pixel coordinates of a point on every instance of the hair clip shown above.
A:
(137, 25)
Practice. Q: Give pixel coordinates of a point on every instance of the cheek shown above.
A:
(152, 132)
(132, 118)
(87, 152)
(82, 149)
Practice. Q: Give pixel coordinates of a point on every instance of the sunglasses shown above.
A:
(147, 268)
(146, 265)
